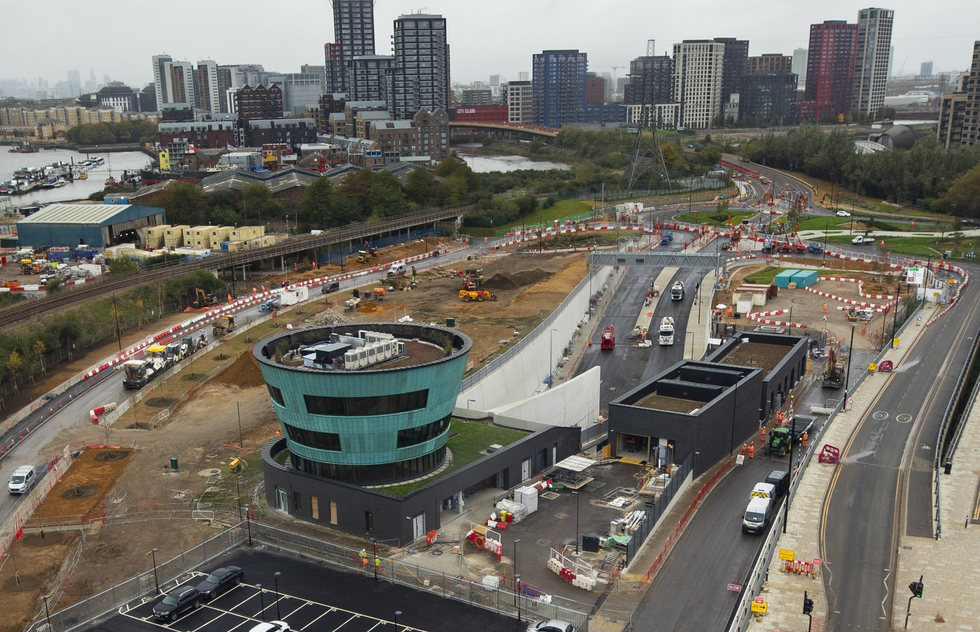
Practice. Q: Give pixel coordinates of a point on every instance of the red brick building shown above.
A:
(595, 90)
(258, 103)
(829, 70)
(199, 134)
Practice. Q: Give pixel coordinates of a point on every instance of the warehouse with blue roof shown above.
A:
(97, 225)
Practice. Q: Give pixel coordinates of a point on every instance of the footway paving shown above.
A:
(313, 598)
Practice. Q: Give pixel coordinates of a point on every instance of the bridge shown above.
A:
(528, 132)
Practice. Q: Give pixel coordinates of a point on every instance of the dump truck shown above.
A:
(608, 338)
(833, 376)
(666, 331)
(224, 325)
(779, 439)
(476, 295)
(677, 291)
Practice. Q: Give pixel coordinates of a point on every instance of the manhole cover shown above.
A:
(543, 542)
(561, 516)
(211, 471)
(549, 495)
(211, 455)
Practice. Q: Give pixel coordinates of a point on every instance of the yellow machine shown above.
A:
(26, 266)
(362, 256)
(203, 300)
(224, 325)
(476, 295)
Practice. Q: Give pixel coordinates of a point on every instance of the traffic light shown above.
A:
(916, 588)
(807, 604)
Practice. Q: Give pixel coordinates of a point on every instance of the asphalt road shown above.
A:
(863, 513)
(314, 598)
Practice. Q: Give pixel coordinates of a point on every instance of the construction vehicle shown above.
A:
(666, 331)
(677, 291)
(608, 338)
(224, 325)
(476, 295)
(193, 344)
(176, 351)
(362, 256)
(475, 275)
(815, 248)
(26, 266)
(833, 377)
(780, 440)
(202, 300)
(379, 293)
(138, 373)
(269, 306)
(767, 243)
(666, 238)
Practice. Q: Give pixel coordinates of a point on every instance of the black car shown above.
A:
(330, 288)
(179, 601)
(220, 581)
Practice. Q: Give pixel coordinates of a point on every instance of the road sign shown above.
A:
(734, 588)
(760, 607)
(817, 561)
(740, 459)
(786, 554)
(759, 600)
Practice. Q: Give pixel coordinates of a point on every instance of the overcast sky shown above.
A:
(118, 37)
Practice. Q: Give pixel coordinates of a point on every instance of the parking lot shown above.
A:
(311, 598)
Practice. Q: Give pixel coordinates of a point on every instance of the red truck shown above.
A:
(608, 338)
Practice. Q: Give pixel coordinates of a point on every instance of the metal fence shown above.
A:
(497, 599)
(143, 586)
(656, 511)
(500, 361)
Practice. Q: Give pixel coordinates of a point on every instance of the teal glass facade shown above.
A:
(366, 426)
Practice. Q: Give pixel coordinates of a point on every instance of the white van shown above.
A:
(396, 269)
(22, 479)
(764, 490)
(756, 515)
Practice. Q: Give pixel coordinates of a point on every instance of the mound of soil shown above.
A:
(368, 308)
(507, 281)
(243, 373)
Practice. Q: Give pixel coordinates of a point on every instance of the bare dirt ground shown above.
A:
(808, 308)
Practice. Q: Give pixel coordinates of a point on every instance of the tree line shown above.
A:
(123, 132)
(925, 172)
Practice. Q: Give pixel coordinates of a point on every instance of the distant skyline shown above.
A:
(114, 37)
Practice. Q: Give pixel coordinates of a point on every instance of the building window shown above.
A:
(414, 436)
(276, 395)
(313, 438)
(364, 406)
(333, 512)
(315, 507)
(296, 501)
(368, 521)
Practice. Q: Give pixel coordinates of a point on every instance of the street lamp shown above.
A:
(397, 612)
(261, 601)
(517, 594)
(850, 354)
(578, 502)
(276, 580)
(156, 578)
(515, 555)
(248, 525)
(241, 442)
(47, 614)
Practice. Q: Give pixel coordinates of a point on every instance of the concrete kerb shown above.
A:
(784, 591)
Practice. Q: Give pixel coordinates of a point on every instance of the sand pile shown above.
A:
(243, 373)
(368, 308)
(506, 281)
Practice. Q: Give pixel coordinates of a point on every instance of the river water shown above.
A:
(114, 164)
(485, 164)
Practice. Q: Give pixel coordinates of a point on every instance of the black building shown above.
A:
(768, 99)
(733, 66)
(651, 81)
(148, 99)
(259, 102)
(292, 132)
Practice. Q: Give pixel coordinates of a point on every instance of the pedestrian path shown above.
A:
(782, 591)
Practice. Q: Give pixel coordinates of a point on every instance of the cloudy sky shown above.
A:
(118, 37)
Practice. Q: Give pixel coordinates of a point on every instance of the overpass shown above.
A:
(527, 132)
(349, 234)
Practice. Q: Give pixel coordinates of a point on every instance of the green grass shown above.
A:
(916, 246)
(472, 437)
(766, 275)
(561, 209)
(712, 217)
(811, 222)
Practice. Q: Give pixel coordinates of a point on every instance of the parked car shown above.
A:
(271, 626)
(179, 601)
(22, 479)
(330, 288)
(549, 625)
(220, 581)
(843, 214)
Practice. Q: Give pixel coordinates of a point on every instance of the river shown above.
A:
(114, 164)
(484, 164)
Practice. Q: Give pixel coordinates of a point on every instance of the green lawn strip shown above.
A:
(714, 217)
(560, 211)
(472, 437)
(766, 275)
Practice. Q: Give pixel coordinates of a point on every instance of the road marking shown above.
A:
(880, 415)
(904, 418)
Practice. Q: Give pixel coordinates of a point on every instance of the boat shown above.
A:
(82, 176)
(22, 149)
(148, 177)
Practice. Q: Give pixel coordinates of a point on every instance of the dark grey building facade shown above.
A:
(734, 64)
(421, 78)
(651, 80)
(768, 99)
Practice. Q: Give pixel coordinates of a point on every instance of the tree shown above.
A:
(181, 201)
(356, 186)
(526, 204)
(123, 267)
(386, 197)
(318, 202)
(420, 186)
(964, 195)
(54, 286)
(14, 365)
(39, 350)
(258, 203)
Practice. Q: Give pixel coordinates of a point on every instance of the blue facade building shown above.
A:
(365, 422)
(558, 87)
(96, 225)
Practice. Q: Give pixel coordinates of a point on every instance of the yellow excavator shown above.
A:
(203, 300)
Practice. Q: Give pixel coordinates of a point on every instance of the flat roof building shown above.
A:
(96, 225)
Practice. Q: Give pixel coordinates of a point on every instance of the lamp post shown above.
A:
(261, 602)
(248, 525)
(47, 614)
(241, 442)
(515, 556)
(578, 500)
(156, 578)
(397, 612)
(517, 594)
(276, 580)
(847, 379)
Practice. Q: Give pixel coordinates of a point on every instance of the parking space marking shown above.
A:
(317, 619)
